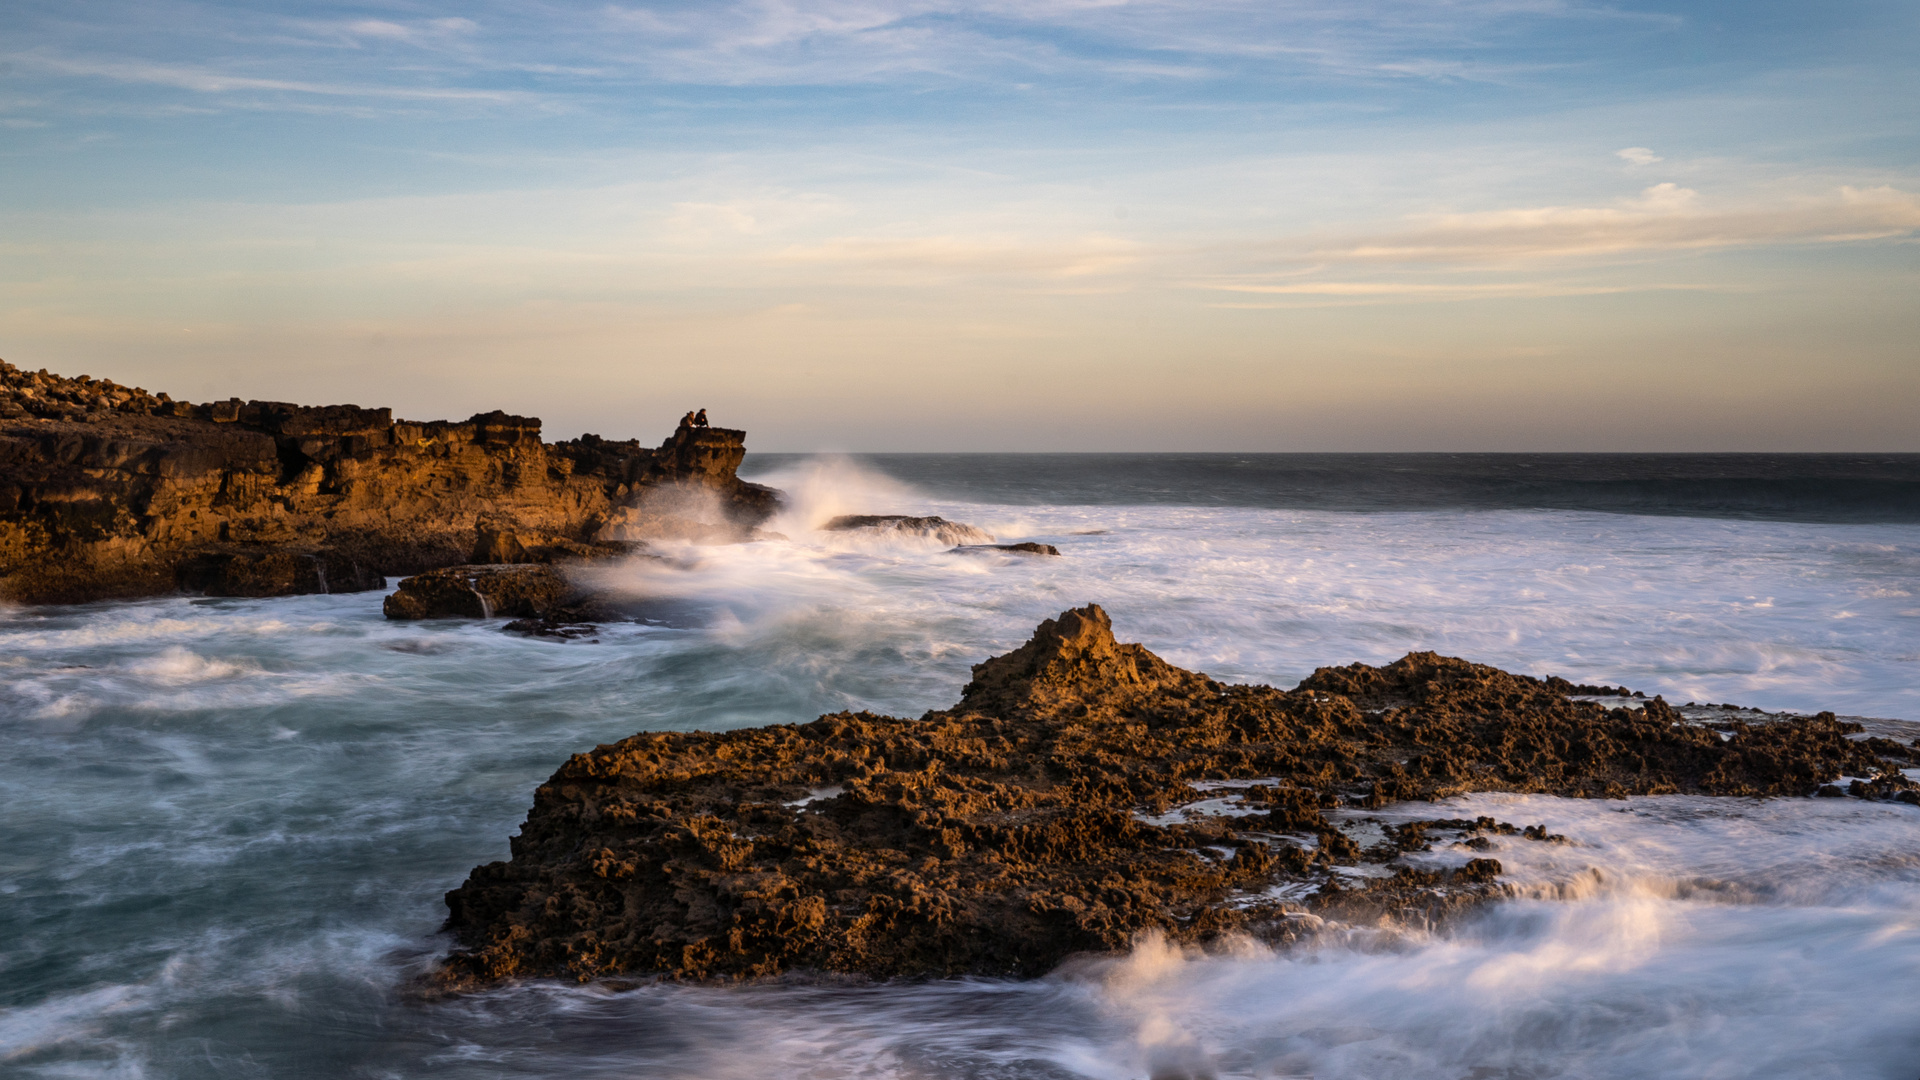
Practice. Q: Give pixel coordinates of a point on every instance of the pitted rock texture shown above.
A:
(108, 491)
(1030, 821)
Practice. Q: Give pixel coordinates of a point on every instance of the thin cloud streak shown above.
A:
(1428, 290)
(213, 82)
(860, 40)
(641, 238)
(593, 49)
(1376, 294)
(1665, 218)
(973, 256)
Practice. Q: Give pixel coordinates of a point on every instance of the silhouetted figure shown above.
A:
(687, 420)
(700, 418)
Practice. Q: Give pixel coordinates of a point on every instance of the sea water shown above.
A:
(228, 824)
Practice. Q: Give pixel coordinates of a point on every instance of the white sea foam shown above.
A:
(1693, 937)
(229, 823)
(1660, 605)
(820, 489)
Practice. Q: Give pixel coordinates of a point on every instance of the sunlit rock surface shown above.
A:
(479, 592)
(109, 491)
(1081, 793)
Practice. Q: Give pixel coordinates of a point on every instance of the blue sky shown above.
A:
(906, 224)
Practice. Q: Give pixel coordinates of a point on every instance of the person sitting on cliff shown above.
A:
(700, 418)
(687, 420)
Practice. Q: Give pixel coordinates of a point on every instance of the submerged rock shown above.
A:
(1081, 793)
(932, 528)
(1026, 548)
(479, 592)
(560, 624)
(108, 491)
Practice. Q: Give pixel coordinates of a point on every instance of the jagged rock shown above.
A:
(642, 523)
(499, 546)
(274, 572)
(1027, 548)
(1039, 816)
(561, 624)
(479, 592)
(495, 547)
(932, 528)
(108, 491)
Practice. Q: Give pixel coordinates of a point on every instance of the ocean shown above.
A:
(229, 823)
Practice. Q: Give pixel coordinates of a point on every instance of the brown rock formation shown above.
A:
(108, 491)
(1031, 820)
(479, 592)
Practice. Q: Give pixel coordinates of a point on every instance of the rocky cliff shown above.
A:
(1081, 793)
(109, 491)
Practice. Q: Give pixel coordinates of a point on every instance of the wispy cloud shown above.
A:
(424, 30)
(1664, 218)
(592, 48)
(701, 221)
(1540, 252)
(1359, 293)
(1638, 155)
(209, 81)
(917, 259)
(835, 41)
(1416, 289)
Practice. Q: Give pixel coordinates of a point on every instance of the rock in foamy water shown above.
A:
(1082, 792)
(937, 529)
(1027, 548)
(479, 592)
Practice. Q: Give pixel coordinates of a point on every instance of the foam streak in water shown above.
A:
(229, 823)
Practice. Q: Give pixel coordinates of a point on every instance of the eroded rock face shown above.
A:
(1039, 816)
(108, 491)
(252, 571)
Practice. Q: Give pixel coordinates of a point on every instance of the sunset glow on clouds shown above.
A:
(921, 225)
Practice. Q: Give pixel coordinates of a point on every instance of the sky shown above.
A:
(1508, 225)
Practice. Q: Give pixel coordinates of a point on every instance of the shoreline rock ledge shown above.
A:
(1082, 792)
(107, 491)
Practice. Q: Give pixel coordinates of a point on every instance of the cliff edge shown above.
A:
(108, 491)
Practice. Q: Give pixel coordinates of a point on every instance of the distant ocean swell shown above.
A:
(1860, 488)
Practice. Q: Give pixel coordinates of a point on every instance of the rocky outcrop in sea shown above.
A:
(935, 529)
(1083, 792)
(110, 491)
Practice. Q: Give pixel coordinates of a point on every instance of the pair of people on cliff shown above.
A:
(693, 419)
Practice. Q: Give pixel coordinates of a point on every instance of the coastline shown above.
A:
(110, 492)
